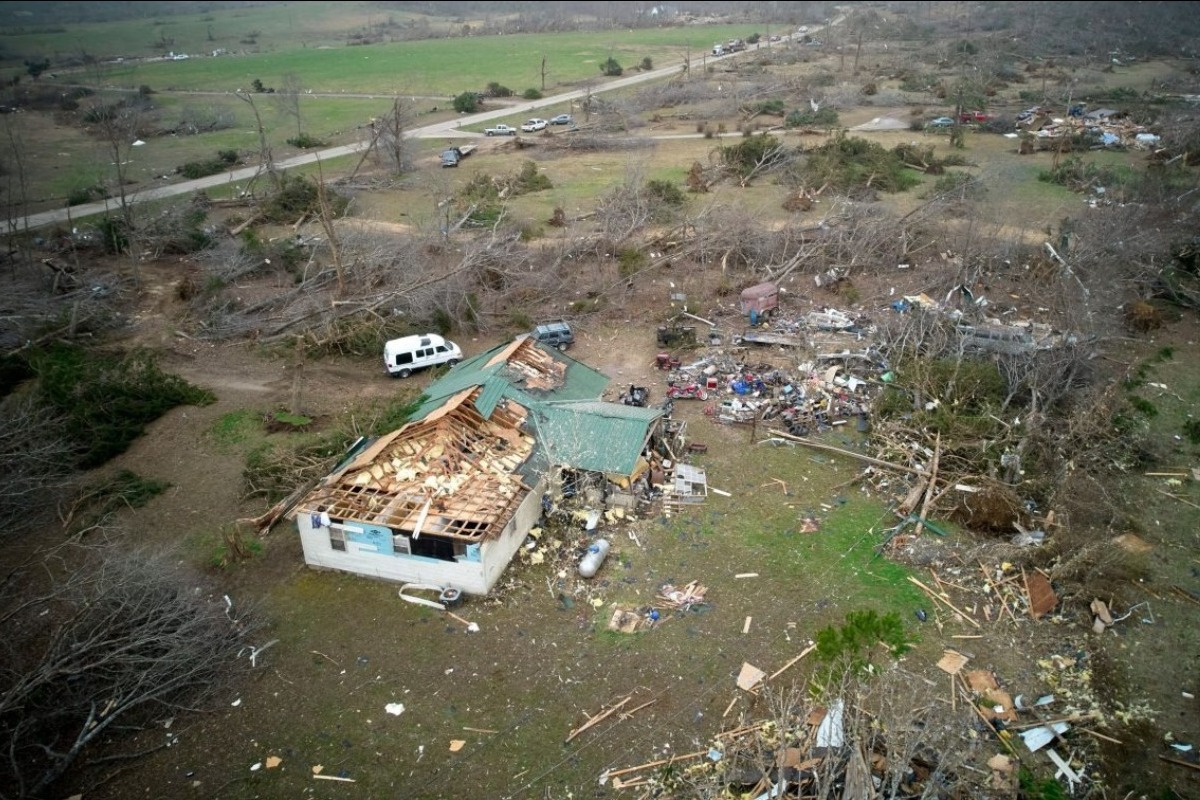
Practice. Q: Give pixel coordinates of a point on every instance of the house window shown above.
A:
(337, 539)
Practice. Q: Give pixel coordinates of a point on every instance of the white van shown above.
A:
(403, 356)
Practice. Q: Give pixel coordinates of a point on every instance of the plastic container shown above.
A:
(589, 565)
(450, 597)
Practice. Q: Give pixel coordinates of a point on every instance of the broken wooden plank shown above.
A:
(652, 764)
(938, 598)
(635, 709)
(792, 663)
(848, 453)
(603, 715)
(932, 485)
(1042, 598)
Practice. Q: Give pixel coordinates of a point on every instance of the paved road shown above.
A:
(449, 129)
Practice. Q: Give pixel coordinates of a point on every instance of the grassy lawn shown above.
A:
(543, 660)
(429, 67)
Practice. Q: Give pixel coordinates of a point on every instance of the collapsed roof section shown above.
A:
(520, 370)
(484, 434)
(592, 436)
(452, 473)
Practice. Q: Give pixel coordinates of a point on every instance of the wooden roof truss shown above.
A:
(453, 475)
(532, 368)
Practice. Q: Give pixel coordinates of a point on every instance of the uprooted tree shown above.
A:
(112, 643)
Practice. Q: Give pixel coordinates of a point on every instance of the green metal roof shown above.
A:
(591, 435)
(572, 426)
(581, 382)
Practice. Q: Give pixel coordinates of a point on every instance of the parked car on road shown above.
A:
(562, 119)
(533, 125)
(940, 122)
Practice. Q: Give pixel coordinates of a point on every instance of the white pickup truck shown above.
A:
(501, 130)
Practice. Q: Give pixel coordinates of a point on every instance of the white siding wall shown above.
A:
(470, 577)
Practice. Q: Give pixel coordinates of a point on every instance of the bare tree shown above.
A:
(627, 208)
(288, 98)
(114, 641)
(35, 461)
(119, 125)
(389, 141)
(15, 184)
(265, 159)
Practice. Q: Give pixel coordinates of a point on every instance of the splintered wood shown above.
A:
(684, 598)
(534, 369)
(453, 474)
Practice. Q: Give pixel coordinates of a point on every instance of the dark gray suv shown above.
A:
(555, 334)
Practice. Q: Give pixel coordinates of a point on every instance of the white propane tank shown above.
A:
(589, 565)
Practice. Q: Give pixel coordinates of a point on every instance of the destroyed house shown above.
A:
(447, 499)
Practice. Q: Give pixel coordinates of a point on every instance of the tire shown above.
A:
(453, 362)
(702, 394)
(404, 373)
(562, 347)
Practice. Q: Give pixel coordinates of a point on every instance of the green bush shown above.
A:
(957, 182)
(847, 163)
(495, 89)
(611, 68)
(108, 400)
(824, 117)
(86, 194)
(852, 643)
(467, 103)
(306, 142)
(114, 233)
(630, 261)
(665, 192)
(917, 83)
(746, 156)
(647, 64)
(297, 195)
(530, 180)
(99, 500)
(775, 108)
(531, 94)
(200, 169)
